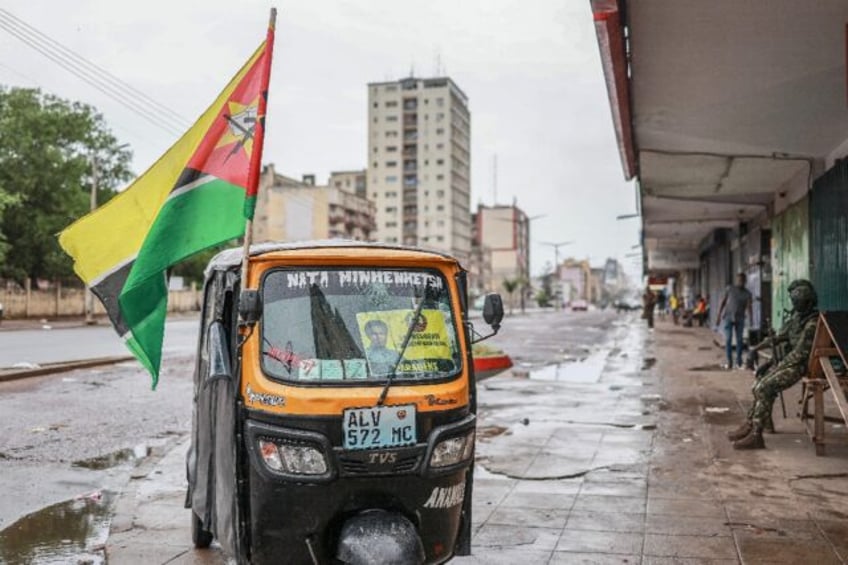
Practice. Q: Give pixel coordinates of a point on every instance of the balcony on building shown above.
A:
(410, 104)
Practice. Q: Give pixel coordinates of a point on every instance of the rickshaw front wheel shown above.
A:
(201, 538)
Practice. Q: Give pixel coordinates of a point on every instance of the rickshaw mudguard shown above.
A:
(379, 536)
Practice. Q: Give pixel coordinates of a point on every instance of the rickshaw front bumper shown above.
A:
(305, 506)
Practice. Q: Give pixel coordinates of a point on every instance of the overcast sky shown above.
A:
(531, 71)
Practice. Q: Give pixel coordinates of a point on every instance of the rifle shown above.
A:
(774, 360)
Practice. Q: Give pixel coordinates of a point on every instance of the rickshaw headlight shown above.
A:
(452, 451)
(294, 459)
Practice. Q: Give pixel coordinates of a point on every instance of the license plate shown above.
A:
(378, 426)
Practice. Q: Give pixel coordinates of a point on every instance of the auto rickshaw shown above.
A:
(334, 408)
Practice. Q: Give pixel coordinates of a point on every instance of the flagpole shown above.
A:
(258, 144)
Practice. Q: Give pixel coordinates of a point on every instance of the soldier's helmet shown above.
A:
(802, 293)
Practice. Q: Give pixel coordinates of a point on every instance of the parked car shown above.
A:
(579, 305)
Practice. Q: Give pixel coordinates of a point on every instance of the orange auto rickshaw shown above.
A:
(335, 400)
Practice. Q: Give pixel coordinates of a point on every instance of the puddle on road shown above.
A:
(73, 531)
(581, 372)
(102, 462)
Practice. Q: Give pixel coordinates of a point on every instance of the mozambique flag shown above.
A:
(198, 194)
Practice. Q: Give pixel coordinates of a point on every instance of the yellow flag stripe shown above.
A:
(112, 235)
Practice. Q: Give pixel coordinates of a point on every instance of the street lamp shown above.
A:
(556, 247)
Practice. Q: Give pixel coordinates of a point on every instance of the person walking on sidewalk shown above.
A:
(736, 301)
(649, 302)
(773, 378)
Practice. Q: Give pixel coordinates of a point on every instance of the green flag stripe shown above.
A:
(187, 223)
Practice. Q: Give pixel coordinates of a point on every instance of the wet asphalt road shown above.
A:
(55, 431)
(86, 342)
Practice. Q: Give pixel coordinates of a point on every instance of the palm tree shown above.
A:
(510, 285)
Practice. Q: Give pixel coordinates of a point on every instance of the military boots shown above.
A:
(741, 431)
(753, 440)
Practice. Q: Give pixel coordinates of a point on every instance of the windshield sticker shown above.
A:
(383, 333)
(331, 370)
(355, 369)
(354, 279)
(309, 369)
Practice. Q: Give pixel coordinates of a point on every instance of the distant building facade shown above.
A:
(292, 210)
(505, 232)
(574, 277)
(350, 181)
(419, 163)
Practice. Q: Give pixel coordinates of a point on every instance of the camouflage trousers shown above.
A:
(767, 388)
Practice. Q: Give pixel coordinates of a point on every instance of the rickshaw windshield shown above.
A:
(348, 325)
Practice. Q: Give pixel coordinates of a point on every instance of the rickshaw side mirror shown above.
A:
(250, 306)
(493, 311)
(218, 353)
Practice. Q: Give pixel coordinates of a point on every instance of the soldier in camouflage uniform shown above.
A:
(798, 334)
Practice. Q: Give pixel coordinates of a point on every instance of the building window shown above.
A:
(391, 209)
(389, 104)
(375, 104)
(440, 223)
(391, 134)
(440, 116)
(440, 161)
(391, 178)
(391, 163)
(440, 238)
(440, 208)
(391, 224)
(375, 164)
(440, 177)
(440, 193)
(391, 88)
(391, 118)
(440, 131)
(440, 146)
(440, 102)
(375, 150)
(391, 148)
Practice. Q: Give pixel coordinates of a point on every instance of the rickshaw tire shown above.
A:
(201, 538)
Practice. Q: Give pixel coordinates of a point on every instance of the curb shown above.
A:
(62, 367)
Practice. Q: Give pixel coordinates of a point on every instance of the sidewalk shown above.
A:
(619, 459)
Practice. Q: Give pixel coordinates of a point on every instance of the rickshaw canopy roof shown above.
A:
(232, 258)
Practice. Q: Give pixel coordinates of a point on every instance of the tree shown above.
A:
(48, 150)
(192, 268)
(510, 286)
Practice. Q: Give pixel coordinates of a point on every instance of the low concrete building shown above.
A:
(292, 210)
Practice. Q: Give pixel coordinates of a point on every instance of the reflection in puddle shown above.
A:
(128, 455)
(587, 371)
(74, 531)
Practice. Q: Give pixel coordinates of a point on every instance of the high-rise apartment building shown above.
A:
(419, 158)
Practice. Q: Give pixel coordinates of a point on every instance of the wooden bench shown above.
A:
(826, 371)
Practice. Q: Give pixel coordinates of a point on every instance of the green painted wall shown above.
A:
(829, 237)
(790, 254)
